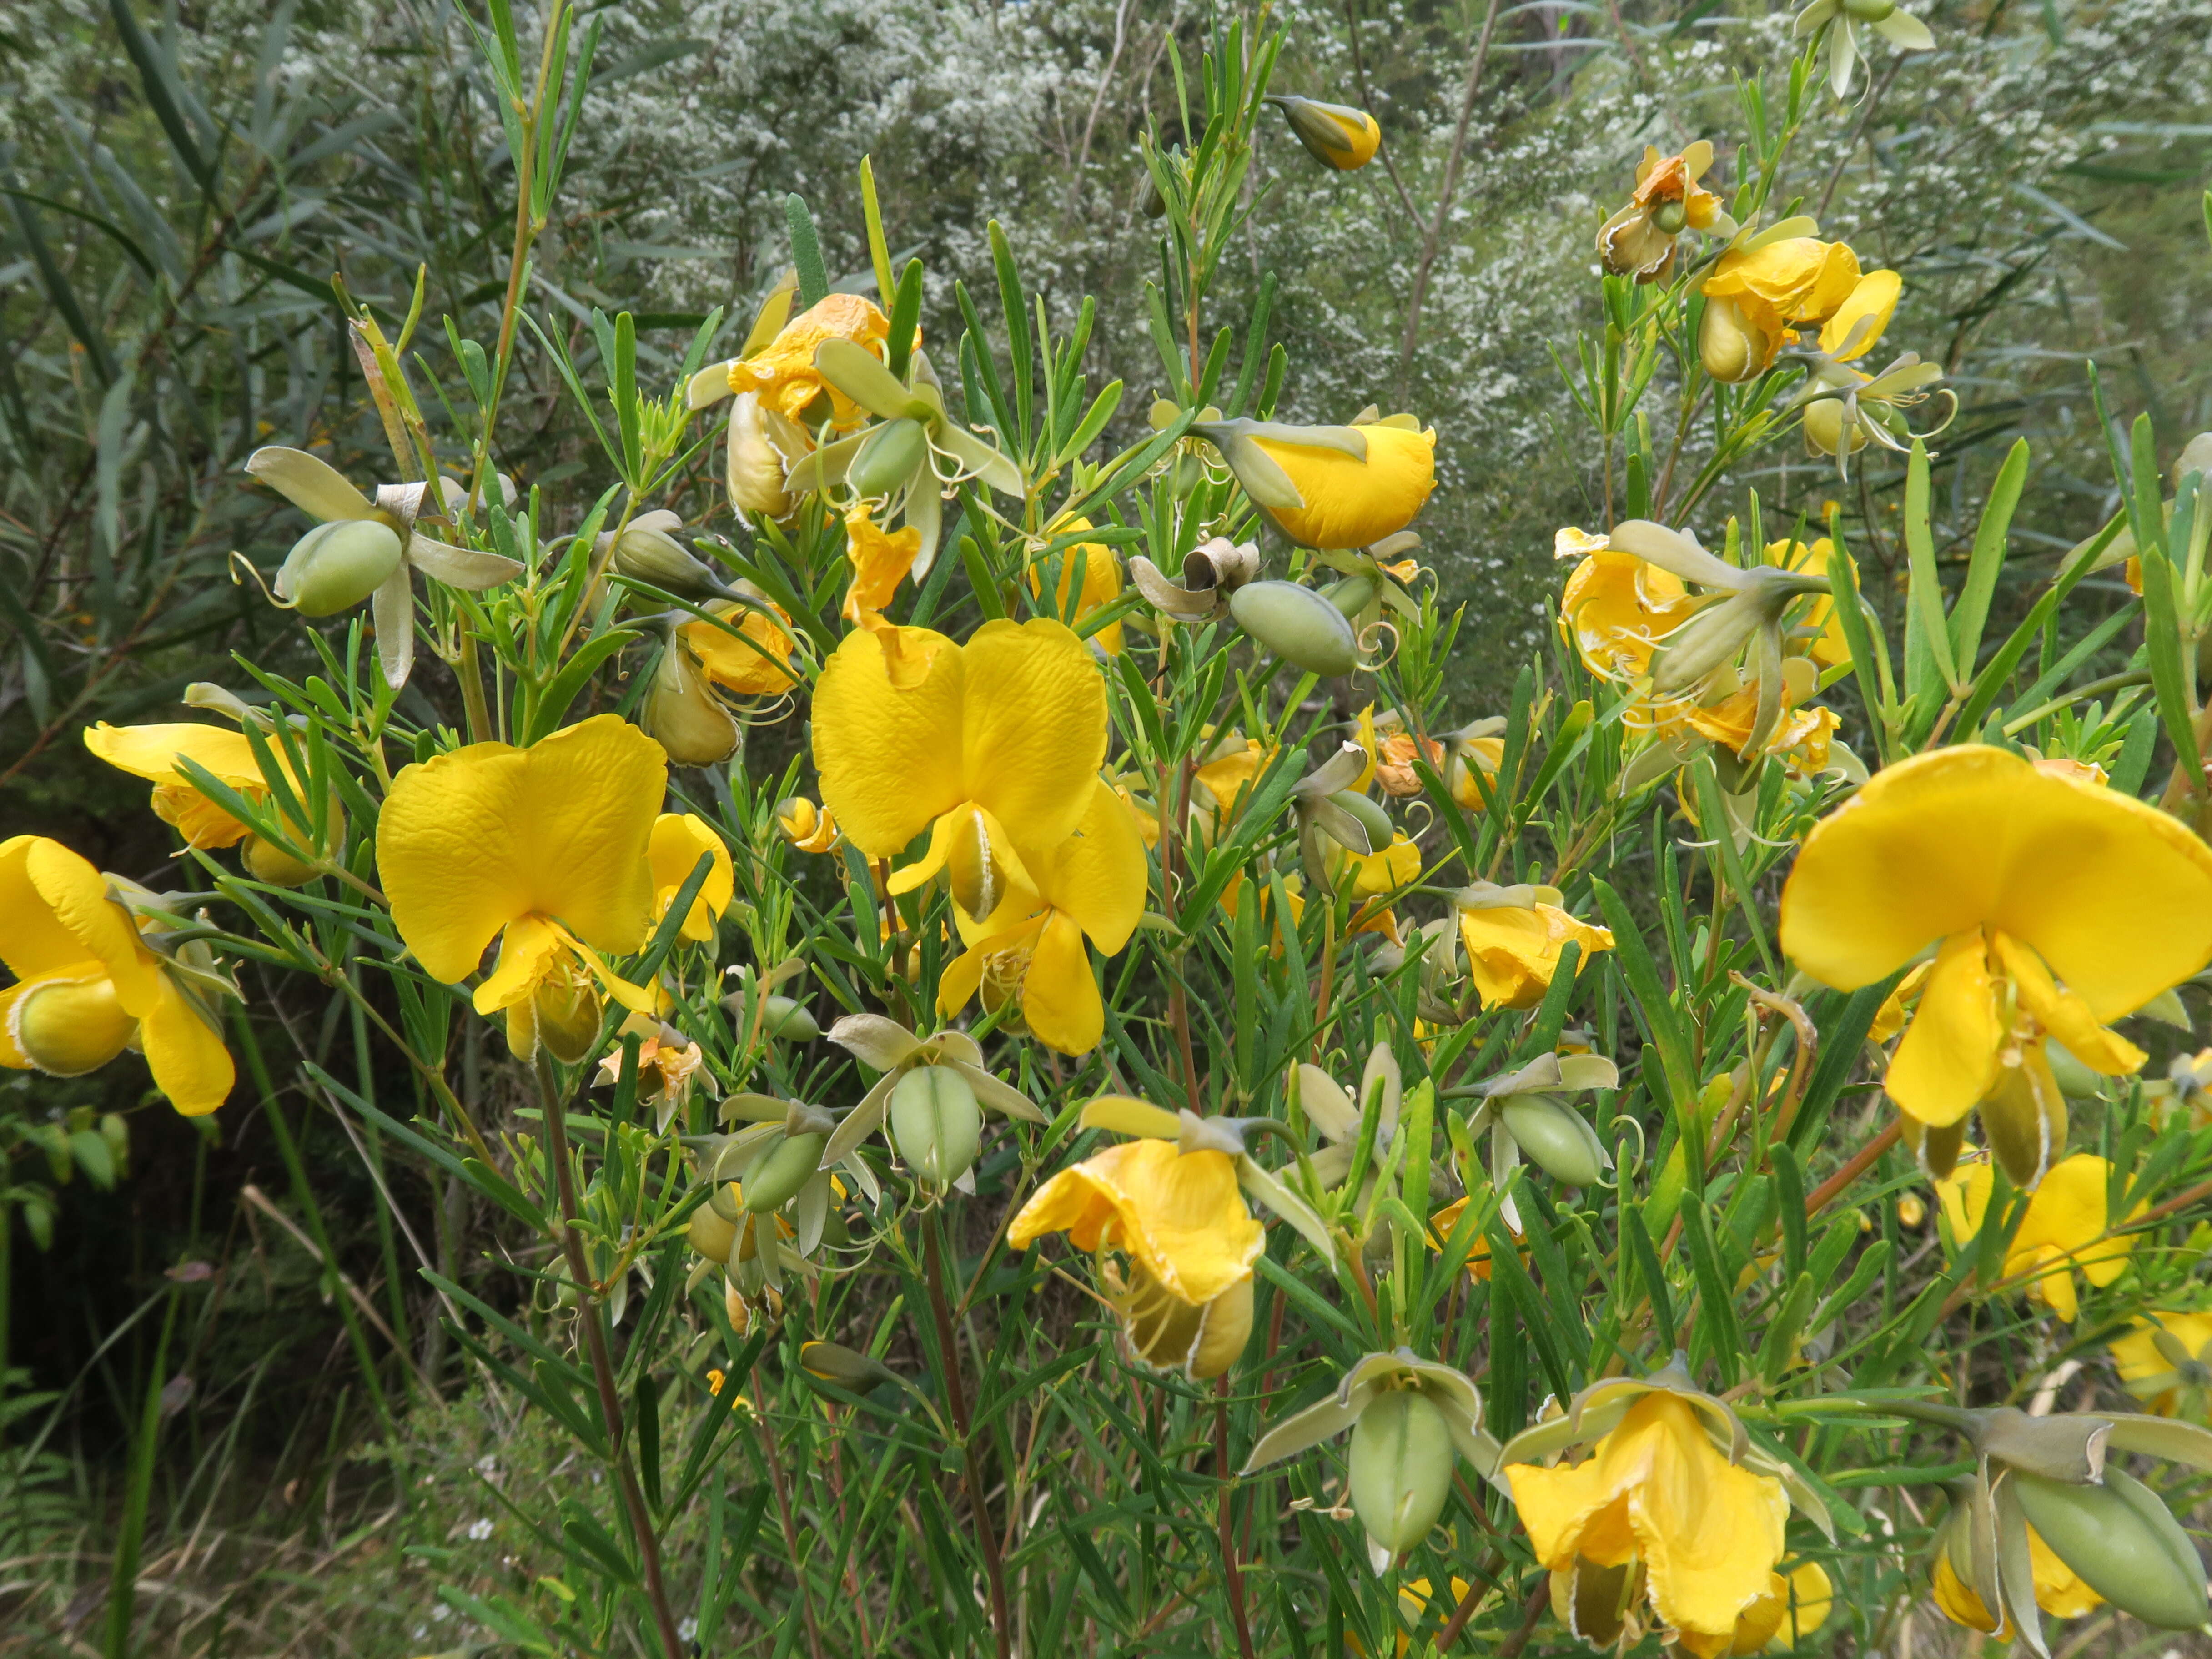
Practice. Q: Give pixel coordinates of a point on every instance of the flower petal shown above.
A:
(473, 840)
(2064, 1015)
(1948, 1057)
(1179, 1214)
(1060, 999)
(59, 915)
(1033, 730)
(1097, 877)
(678, 842)
(313, 486)
(890, 754)
(2114, 895)
(185, 1053)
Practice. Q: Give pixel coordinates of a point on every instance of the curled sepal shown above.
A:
(2069, 1448)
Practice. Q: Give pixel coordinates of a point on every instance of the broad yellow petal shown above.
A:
(151, 752)
(1350, 503)
(678, 842)
(472, 841)
(34, 941)
(1873, 301)
(757, 664)
(890, 754)
(1179, 1214)
(1964, 1198)
(1949, 1057)
(1060, 999)
(2064, 1015)
(2115, 895)
(1097, 875)
(185, 1053)
(57, 915)
(529, 951)
(1033, 730)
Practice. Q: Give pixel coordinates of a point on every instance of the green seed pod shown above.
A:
(1298, 625)
(891, 455)
(1669, 217)
(789, 1021)
(710, 1235)
(936, 1124)
(1401, 1468)
(69, 1027)
(334, 567)
(682, 713)
(1154, 203)
(2123, 1542)
(1373, 818)
(1352, 595)
(1870, 11)
(1553, 1138)
(788, 1164)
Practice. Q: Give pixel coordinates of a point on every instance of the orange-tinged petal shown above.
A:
(890, 750)
(1179, 1213)
(2115, 895)
(472, 841)
(880, 559)
(1949, 1055)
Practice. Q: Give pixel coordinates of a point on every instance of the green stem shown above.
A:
(956, 1398)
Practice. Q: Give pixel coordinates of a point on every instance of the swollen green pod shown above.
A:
(1298, 624)
(1353, 594)
(1402, 1467)
(789, 1164)
(334, 567)
(1373, 818)
(1553, 1137)
(710, 1235)
(936, 1124)
(2123, 1542)
(888, 457)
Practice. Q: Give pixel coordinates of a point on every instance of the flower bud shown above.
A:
(1732, 348)
(334, 567)
(69, 1027)
(710, 1235)
(755, 463)
(683, 715)
(1401, 1467)
(936, 1124)
(890, 455)
(1335, 134)
(1298, 625)
(1824, 428)
(1553, 1137)
(647, 551)
(2121, 1541)
(787, 1165)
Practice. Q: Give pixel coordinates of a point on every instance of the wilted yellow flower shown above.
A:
(755, 662)
(1760, 292)
(2166, 1362)
(668, 1065)
(1616, 607)
(1656, 1490)
(990, 746)
(1102, 580)
(2062, 1233)
(880, 560)
(783, 374)
(1029, 949)
(678, 842)
(1800, 740)
(1513, 937)
(1794, 1604)
(2015, 876)
(1180, 1222)
(1640, 239)
(542, 849)
(88, 985)
(1337, 135)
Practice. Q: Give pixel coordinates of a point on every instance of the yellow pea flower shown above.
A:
(542, 849)
(673, 850)
(1332, 486)
(152, 752)
(88, 986)
(1102, 580)
(1370, 875)
(757, 664)
(782, 374)
(1640, 239)
(991, 745)
(1224, 781)
(2015, 875)
(880, 559)
(1708, 1532)
(1787, 283)
(1617, 607)
(2166, 1362)
(1513, 937)
(2059, 1590)
(1187, 1242)
(806, 825)
(2062, 1232)
(1339, 135)
(1413, 1602)
(1029, 949)
(1800, 739)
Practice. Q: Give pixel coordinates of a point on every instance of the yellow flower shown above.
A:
(1413, 1602)
(1794, 1605)
(88, 987)
(2063, 1231)
(1224, 783)
(1370, 875)
(668, 1063)
(1513, 937)
(1616, 607)
(152, 752)
(1800, 739)
(1853, 327)
(1657, 1490)
(542, 849)
(783, 374)
(2015, 875)
(678, 840)
(1337, 135)
(2166, 1362)
(1352, 502)
(880, 560)
(1029, 949)
(806, 825)
(1640, 239)
(1187, 1240)
(757, 664)
(991, 745)
(1794, 282)
(1102, 580)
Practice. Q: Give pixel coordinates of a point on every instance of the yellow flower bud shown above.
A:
(1731, 347)
(1337, 135)
(756, 461)
(334, 567)
(69, 1027)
